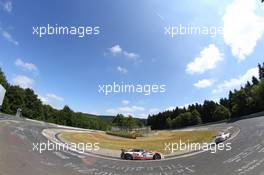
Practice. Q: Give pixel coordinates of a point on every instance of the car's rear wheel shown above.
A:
(157, 156)
(122, 156)
(128, 157)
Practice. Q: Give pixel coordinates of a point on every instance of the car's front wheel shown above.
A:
(157, 156)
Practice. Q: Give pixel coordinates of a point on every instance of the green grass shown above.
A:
(155, 142)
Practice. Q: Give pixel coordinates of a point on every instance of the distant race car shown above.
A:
(222, 137)
(140, 154)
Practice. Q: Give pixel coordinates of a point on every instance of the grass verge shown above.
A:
(155, 142)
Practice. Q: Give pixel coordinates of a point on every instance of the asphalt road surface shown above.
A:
(18, 158)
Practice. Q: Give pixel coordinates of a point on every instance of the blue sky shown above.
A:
(132, 47)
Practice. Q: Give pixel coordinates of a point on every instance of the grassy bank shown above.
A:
(155, 142)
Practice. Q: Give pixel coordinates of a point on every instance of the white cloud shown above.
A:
(55, 97)
(23, 81)
(115, 49)
(7, 6)
(236, 82)
(122, 70)
(26, 66)
(242, 27)
(207, 60)
(8, 37)
(204, 83)
(125, 102)
(127, 110)
(131, 55)
(53, 100)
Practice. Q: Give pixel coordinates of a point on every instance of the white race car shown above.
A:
(140, 154)
(222, 137)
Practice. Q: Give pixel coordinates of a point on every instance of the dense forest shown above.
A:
(33, 108)
(127, 122)
(249, 99)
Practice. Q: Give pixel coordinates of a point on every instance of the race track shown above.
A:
(18, 158)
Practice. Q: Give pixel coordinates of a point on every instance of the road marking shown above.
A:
(62, 156)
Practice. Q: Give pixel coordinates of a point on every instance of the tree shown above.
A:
(126, 122)
(208, 109)
(49, 113)
(255, 80)
(15, 98)
(118, 120)
(5, 106)
(177, 122)
(258, 95)
(261, 71)
(158, 121)
(169, 123)
(32, 105)
(65, 116)
(130, 122)
(196, 118)
(248, 85)
(240, 103)
(221, 113)
(3, 80)
(230, 97)
(224, 102)
(186, 119)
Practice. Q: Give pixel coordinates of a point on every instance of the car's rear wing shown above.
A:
(123, 150)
